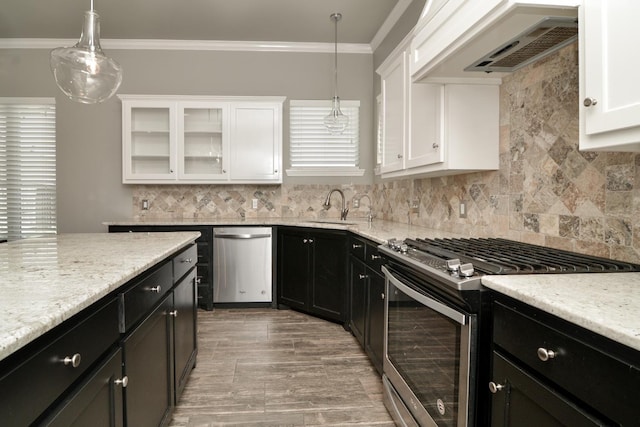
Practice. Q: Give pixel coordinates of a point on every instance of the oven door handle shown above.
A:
(452, 314)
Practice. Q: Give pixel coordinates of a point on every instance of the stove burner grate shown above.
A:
(502, 256)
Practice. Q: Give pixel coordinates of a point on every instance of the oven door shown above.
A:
(427, 356)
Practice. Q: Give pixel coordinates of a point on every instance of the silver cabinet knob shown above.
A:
(224, 171)
(155, 289)
(74, 360)
(382, 295)
(399, 156)
(375, 257)
(356, 246)
(186, 260)
(589, 102)
(544, 354)
(310, 240)
(198, 280)
(435, 145)
(494, 388)
(123, 382)
(362, 276)
(173, 313)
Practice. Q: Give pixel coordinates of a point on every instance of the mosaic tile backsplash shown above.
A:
(546, 191)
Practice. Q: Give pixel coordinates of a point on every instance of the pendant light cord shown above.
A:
(336, 17)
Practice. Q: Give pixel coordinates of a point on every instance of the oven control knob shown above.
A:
(404, 248)
(453, 265)
(466, 270)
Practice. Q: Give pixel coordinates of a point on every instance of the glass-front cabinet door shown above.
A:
(203, 141)
(149, 137)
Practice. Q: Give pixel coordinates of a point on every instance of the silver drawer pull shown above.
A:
(494, 388)
(375, 257)
(155, 289)
(74, 360)
(124, 381)
(382, 295)
(186, 260)
(362, 276)
(173, 313)
(356, 246)
(544, 354)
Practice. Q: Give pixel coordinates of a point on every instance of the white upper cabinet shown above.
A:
(394, 105)
(256, 151)
(609, 63)
(188, 140)
(150, 140)
(435, 129)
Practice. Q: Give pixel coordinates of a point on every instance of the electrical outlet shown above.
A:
(145, 205)
(254, 203)
(463, 209)
(356, 203)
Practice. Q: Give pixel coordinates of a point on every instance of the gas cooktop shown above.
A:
(464, 260)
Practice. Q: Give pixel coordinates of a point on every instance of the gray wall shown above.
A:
(89, 136)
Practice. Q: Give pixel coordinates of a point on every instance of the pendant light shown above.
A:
(83, 72)
(336, 122)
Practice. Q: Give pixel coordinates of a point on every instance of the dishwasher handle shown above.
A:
(240, 236)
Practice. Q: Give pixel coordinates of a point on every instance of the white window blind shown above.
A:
(27, 167)
(313, 151)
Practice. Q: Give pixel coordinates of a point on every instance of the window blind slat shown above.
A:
(312, 146)
(27, 169)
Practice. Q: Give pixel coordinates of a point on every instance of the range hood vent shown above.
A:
(540, 40)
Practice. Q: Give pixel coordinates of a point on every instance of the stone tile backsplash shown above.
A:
(546, 191)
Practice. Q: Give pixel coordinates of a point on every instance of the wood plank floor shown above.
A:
(264, 367)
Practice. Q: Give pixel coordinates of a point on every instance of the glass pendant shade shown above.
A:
(83, 72)
(336, 122)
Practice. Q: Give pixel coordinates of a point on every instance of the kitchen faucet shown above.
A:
(327, 203)
(356, 204)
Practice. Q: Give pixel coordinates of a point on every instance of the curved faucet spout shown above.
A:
(327, 203)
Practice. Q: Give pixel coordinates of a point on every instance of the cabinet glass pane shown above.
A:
(150, 141)
(203, 151)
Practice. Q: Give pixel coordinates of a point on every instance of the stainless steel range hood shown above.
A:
(462, 37)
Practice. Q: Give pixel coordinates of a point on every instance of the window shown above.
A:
(313, 150)
(27, 167)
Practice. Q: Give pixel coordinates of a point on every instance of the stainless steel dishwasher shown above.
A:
(242, 264)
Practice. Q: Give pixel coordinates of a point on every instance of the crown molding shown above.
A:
(198, 45)
(388, 24)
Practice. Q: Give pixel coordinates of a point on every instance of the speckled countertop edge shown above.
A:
(45, 281)
(605, 303)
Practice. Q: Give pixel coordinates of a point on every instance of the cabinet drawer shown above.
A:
(137, 300)
(606, 383)
(184, 261)
(21, 402)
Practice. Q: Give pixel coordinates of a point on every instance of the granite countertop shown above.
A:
(605, 303)
(378, 231)
(47, 280)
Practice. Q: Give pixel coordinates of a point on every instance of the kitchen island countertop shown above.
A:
(45, 281)
(605, 303)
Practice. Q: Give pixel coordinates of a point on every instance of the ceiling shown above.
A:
(299, 21)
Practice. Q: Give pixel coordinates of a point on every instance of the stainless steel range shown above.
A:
(436, 321)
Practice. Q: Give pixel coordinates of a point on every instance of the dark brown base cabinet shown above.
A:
(98, 401)
(204, 265)
(548, 372)
(367, 299)
(135, 350)
(312, 272)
